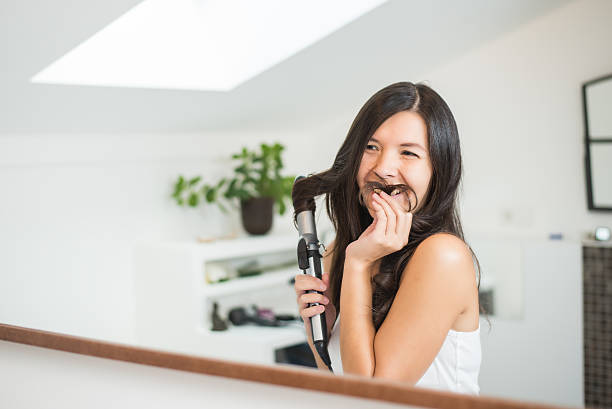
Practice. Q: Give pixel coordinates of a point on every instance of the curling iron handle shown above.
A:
(318, 323)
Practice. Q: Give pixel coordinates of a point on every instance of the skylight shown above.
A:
(200, 44)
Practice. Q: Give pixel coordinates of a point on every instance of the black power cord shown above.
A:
(322, 350)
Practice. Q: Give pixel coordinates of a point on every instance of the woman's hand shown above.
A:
(305, 282)
(387, 234)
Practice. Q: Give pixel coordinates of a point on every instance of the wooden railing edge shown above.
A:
(282, 375)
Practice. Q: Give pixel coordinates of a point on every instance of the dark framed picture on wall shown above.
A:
(597, 105)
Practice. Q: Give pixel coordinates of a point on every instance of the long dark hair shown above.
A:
(438, 212)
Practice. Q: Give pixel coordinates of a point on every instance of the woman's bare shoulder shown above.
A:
(445, 260)
(445, 253)
(443, 246)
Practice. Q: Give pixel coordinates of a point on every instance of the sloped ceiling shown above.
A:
(400, 40)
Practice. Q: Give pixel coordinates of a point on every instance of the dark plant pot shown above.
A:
(257, 214)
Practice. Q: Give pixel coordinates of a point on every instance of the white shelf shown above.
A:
(246, 246)
(270, 337)
(172, 299)
(243, 284)
(596, 243)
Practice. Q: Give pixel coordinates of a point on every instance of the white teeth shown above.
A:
(395, 192)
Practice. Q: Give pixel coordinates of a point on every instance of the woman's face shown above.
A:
(398, 153)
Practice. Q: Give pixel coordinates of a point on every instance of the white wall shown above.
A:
(65, 380)
(539, 357)
(73, 205)
(517, 102)
(524, 140)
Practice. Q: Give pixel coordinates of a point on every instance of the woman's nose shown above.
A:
(386, 167)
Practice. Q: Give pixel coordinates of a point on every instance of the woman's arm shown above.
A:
(356, 327)
(434, 290)
(388, 232)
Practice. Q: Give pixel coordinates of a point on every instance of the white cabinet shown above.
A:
(173, 300)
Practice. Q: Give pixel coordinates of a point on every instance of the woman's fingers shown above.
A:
(399, 221)
(304, 282)
(389, 213)
(312, 311)
(312, 298)
(400, 214)
(380, 218)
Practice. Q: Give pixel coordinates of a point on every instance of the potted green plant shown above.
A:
(257, 184)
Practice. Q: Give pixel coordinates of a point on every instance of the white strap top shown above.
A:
(455, 368)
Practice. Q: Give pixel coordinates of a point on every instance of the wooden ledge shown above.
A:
(285, 375)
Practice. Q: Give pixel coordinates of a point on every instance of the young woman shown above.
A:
(398, 268)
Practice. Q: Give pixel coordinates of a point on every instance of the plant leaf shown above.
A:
(281, 207)
(194, 199)
(194, 180)
(210, 195)
(178, 186)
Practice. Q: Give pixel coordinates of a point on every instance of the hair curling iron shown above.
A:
(309, 261)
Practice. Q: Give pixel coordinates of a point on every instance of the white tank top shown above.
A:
(455, 368)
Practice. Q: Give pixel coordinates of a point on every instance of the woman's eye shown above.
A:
(409, 153)
(370, 146)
